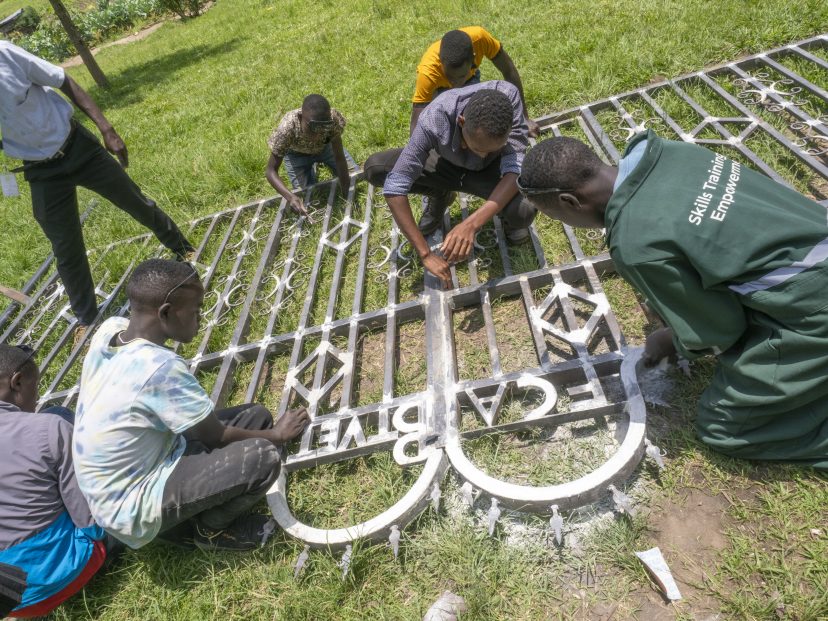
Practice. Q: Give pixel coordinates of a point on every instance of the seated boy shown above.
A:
(471, 139)
(454, 61)
(304, 138)
(151, 454)
(45, 525)
(734, 263)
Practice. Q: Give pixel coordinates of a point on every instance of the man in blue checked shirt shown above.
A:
(469, 139)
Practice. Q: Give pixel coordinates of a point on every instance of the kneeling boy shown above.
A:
(304, 138)
(734, 263)
(151, 454)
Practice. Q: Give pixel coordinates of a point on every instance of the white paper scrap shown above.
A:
(657, 566)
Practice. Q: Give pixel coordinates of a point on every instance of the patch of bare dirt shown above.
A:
(690, 534)
(76, 61)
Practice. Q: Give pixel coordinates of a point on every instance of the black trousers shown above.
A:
(439, 179)
(55, 205)
(214, 487)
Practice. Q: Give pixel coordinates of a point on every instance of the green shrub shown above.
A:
(28, 21)
(109, 18)
(184, 8)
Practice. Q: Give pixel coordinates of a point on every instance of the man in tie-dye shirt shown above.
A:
(151, 453)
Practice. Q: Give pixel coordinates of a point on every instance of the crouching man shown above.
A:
(152, 455)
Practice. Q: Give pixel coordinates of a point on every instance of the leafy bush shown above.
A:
(110, 17)
(48, 41)
(184, 8)
(28, 21)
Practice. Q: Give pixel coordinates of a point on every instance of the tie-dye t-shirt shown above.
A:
(135, 402)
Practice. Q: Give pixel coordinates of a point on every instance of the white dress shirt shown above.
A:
(34, 119)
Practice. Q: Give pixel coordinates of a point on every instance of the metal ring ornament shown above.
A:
(595, 234)
(375, 529)
(383, 252)
(585, 489)
(623, 132)
(485, 239)
(482, 262)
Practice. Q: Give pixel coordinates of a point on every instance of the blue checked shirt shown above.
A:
(438, 131)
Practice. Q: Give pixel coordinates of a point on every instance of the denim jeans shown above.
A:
(58, 410)
(301, 167)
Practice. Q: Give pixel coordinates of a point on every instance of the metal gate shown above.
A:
(315, 311)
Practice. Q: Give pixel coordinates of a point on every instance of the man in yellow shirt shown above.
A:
(454, 61)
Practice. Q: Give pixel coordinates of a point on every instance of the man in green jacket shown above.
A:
(734, 263)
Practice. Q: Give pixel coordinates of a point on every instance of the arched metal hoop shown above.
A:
(375, 529)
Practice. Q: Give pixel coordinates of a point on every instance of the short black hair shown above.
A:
(559, 162)
(317, 107)
(14, 359)
(489, 111)
(456, 49)
(152, 280)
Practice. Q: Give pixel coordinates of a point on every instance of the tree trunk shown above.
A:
(75, 38)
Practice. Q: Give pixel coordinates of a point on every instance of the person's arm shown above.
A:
(416, 110)
(272, 175)
(341, 165)
(460, 240)
(507, 68)
(112, 141)
(702, 321)
(424, 91)
(401, 211)
(398, 184)
(61, 449)
(174, 395)
(660, 344)
(214, 434)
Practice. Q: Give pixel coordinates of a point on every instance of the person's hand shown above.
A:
(438, 266)
(290, 425)
(297, 205)
(115, 145)
(459, 242)
(534, 128)
(659, 346)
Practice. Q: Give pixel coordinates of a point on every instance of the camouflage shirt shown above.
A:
(288, 135)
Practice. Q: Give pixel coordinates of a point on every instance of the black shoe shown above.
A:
(243, 535)
(180, 536)
(433, 209)
(187, 256)
(518, 237)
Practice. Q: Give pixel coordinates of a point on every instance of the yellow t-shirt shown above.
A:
(430, 74)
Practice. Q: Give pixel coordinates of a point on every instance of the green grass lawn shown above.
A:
(195, 102)
(7, 7)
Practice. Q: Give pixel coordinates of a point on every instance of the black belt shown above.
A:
(73, 126)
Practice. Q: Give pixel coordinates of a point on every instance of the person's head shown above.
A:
(565, 180)
(486, 122)
(456, 56)
(167, 297)
(316, 114)
(19, 376)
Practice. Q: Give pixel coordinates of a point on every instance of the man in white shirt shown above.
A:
(58, 155)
